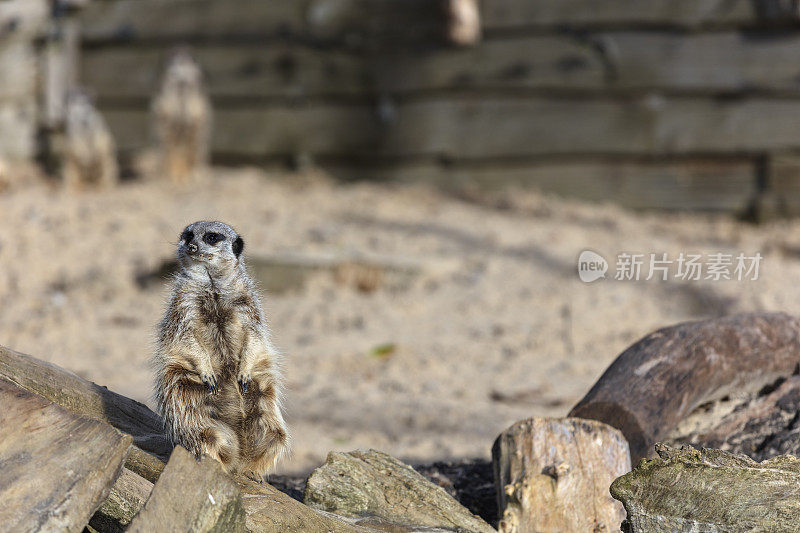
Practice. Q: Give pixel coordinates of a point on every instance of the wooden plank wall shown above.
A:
(666, 103)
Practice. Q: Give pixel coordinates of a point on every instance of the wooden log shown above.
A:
(506, 14)
(539, 62)
(351, 23)
(719, 184)
(267, 130)
(290, 271)
(707, 62)
(191, 496)
(710, 490)
(267, 509)
(127, 497)
(623, 61)
(760, 424)
(783, 175)
(484, 127)
(472, 128)
(359, 21)
(56, 468)
(660, 379)
(277, 71)
(371, 484)
(629, 61)
(88, 399)
(554, 474)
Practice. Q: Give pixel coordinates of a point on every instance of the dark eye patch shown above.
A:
(187, 236)
(213, 238)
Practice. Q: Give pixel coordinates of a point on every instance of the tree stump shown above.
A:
(554, 475)
(660, 379)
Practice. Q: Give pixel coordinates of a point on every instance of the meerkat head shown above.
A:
(183, 72)
(210, 249)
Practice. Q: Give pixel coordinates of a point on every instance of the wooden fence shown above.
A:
(668, 103)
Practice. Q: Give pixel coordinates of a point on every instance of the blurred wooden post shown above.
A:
(555, 474)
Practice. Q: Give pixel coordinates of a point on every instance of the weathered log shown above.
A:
(374, 485)
(289, 271)
(553, 475)
(711, 491)
(709, 184)
(504, 14)
(127, 497)
(192, 495)
(659, 380)
(759, 424)
(56, 467)
(83, 397)
(354, 24)
(457, 126)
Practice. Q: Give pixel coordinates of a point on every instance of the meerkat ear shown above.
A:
(238, 246)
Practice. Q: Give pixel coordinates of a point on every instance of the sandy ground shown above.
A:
(497, 327)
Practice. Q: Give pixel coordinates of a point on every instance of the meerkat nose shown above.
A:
(191, 248)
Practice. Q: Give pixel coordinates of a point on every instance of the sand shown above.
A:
(496, 327)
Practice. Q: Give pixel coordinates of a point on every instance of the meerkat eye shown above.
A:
(187, 236)
(213, 238)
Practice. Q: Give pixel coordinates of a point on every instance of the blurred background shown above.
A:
(414, 180)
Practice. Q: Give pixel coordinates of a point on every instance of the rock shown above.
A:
(375, 487)
(554, 474)
(710, 491)
(663, 377)
(192, 495)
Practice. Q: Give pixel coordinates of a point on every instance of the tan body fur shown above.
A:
(90, 154)
(218, 378)
(182, 115)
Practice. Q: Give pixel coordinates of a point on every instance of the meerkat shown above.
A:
(218, 376)
(463, 22)
(182, 120)
(90, 154)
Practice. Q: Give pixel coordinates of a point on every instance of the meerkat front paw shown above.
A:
(210, 381)
(244, 381)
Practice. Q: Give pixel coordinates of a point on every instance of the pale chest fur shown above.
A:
(219, 326)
